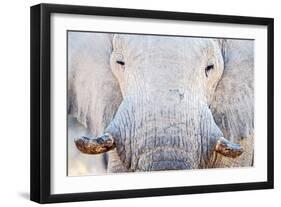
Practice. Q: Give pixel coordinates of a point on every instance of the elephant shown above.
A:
(156, 102)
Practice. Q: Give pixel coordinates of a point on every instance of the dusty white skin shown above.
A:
(165, 100)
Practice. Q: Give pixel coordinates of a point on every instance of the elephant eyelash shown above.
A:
(208, 68)
(120, 62)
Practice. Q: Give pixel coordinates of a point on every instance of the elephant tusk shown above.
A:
(227, 148)
(101, 144)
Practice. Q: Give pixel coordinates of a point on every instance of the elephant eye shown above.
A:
(208, 68)
(120, 62)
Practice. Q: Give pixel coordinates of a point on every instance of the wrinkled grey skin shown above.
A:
(153, 94)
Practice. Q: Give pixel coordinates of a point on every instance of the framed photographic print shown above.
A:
(132, 103)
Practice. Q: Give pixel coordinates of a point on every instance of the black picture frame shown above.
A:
(41, 98)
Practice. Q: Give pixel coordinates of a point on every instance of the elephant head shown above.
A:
(161, 102)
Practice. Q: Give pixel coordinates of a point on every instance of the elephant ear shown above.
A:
(233, 102)
(93, 91)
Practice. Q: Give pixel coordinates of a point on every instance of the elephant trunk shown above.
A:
(151, 136)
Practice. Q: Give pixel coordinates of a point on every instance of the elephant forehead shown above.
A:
(164, 46)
